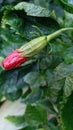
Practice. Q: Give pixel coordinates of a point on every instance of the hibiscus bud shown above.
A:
(13, 60)
(19, 56)
(33, 47)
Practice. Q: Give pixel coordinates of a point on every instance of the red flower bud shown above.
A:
(13, 60)
(19, 56)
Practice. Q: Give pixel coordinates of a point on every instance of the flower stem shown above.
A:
(55, 34)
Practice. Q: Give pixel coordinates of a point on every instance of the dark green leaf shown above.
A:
(32, 97)
(11, 82)
(68, 87)
(9, 41)
(31, 78)
(51, 126)
(1, 68)
(68, 55)
(67, 115)
(57, 47)
(62, 70)
(29, 128)
(35, 115)
(54, 85)
(48, 104)
(68, 5)
(24, 25)
(12, 94)
(34, 80)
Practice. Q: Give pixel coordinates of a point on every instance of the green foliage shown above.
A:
(37, 113)
(66, 114)
(1, 68)
(44, 82)
(68, 55)
(9, 41)
(19, 121)
(68, 5)
(62, 70)
(33, 10)
(68, 88)
(11, 82)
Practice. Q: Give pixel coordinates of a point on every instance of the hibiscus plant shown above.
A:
(36, 63)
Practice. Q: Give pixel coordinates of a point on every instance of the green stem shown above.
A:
(55, 34)
(38, 29)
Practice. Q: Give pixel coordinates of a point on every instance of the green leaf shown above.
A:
(18, 121)
(32, 97)
(35, 115)
(48, 104)
(68, 19)
(31, 78)
(29, 128)
(12, 94)
(57, 47)
(34, 80)
(11, 82)
(24, 25)
(51, 126)
(1, 68)
(68, 55)
(67, 114)
(33, 10)
(53, 85)
(62, 70)
(68, 5)
(42, 3)
(14, 21)
(9, 41)
(68, 87)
